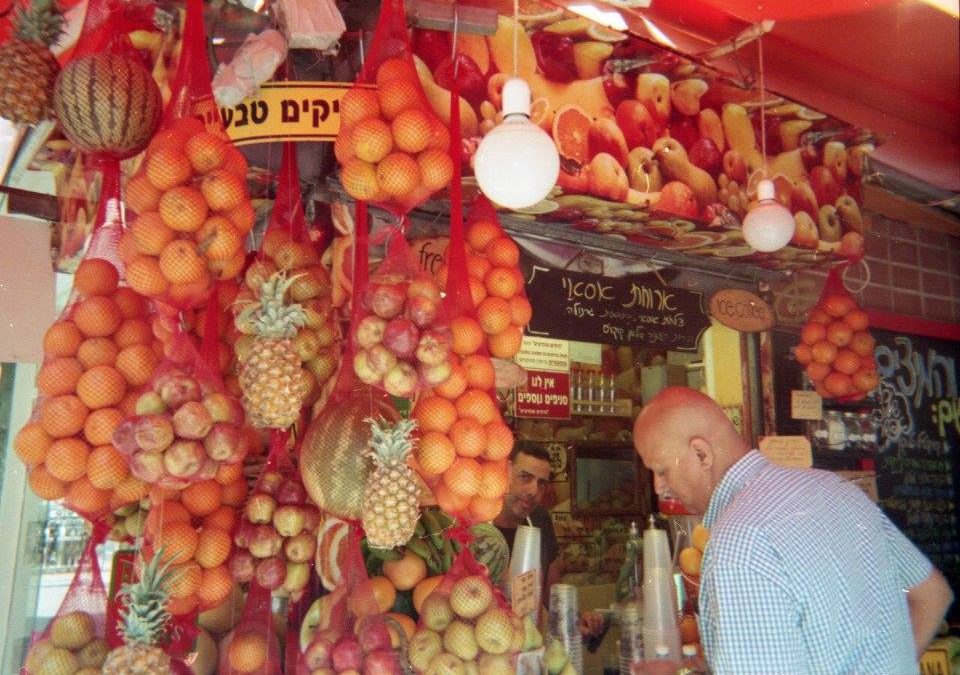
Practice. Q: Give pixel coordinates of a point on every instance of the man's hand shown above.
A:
(591, 624)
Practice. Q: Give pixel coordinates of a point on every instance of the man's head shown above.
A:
(529, 475)
(688, 442)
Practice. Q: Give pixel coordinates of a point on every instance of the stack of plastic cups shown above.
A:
(564, 623)
(631, 636)
(525, 558)
(660, 622)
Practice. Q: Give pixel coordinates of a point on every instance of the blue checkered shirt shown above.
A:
(804, 574)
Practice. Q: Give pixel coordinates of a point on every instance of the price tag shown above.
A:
(789, 451)
(525, 592)
(805, 405)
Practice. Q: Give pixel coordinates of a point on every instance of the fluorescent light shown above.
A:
(951, 7)
(657, 34)
(610, 18)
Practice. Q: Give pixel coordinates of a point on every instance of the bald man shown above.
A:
(802, 573)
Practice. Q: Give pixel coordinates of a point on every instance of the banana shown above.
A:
(578, 201)
(433, 528)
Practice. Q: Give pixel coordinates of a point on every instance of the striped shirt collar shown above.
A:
(733, 480)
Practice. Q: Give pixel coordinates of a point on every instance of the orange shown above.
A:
(412, 129)
(243, 216)
(481, 232)
(145, 277)
(133, 332)
(466, 335)
(803, 354)
(406, 572)
(454, 385)
(205, 151)
(360, 180)
(180, 263)
(358, 104)
(838, 384)
(847, 362)
(213, 547)
(407, 625)
(434, 413)
(478, 405)
(179, 541)
(839, 333)
(865, 379)
(128, 406)
(100, 425)
(571, 128)
(129, 491)
(86, 499)
(228, 268)
(425, 588)
(106, 467)
(59, 376)
(503, 252)
(689, 633)
(862, 343)
(131, 303)
(449, 501)
(493, 314)
(343, 145)
(477, 291)
(63, 416)
(463, 477)
(824, 352)
(398, 175)
(480, 372)
(224, 518)
(201, 498)
(503, 282)
(494, 480)
(189, 294)
(182, 606)
(97, 316)
(506, 344)
(185, 127)
(67, 459)
(95, 276)
(435, 453)
(234, 493)
(167, 167)
(218, 238)
(247, 652)
(101, 387)
(372, 140)
(521, 311)
(483, 509)
(395, 68)
(837, 306)
(140, 195)
(499, 441)
(31, 444)
(184, 580)
(46, 486)
(215, 585)
(162, 513)
(137, 364)
(235, 162)
(857, 319)
(478, 266)
(63, 338)
(99, 351)
(468, 436)
(228, 473)
(439, 137)
(223, 190)
(258, 272)
(816, 371)
(167, 138)
(126, 247)
(817, 315)
(183, 208)
(384, 592)
(436, 168)
(398, 95)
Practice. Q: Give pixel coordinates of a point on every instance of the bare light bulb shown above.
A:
(769, 226)
(516, 164)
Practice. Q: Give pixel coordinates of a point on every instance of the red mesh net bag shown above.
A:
(75, 638)
(287, 270)
(836, 347)
(277, 535)
(391, 146)
(348, 630)
(96, 356)
(190, 192)
(252, 646)
(466, 619)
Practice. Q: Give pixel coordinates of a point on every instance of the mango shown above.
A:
(475, 46)
(501, 49)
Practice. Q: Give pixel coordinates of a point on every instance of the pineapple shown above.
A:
(392, 493)
(143, 624)
(28, 69)
(273, 381)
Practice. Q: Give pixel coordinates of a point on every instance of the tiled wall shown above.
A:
(912, 272)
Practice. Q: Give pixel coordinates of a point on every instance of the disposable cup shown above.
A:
(526, 550)
(659, 598)
(656, 549)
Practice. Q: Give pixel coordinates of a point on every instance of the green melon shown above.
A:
(107, 105)
(490, 548)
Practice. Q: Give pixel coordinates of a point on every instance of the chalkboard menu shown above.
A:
(633, 310)
(918, 462)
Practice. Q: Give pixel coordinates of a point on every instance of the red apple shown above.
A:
(317, 654)
(684, 130)
(242, 566)
(825, 185)
(437, 374)
(259, 508)
(264, 542)
(805, 234)
(424, 287)
(154, 433)
(401, 336)
(288, 520)
(298, 576)
(849, 212)
(222, 440)
(373, 635)
(183, 459)
(150, 403)
(735, 166)
(269, 481)
(433, 347)
(291, 491)
(852, 245)
(192, 421)
(804, 199)
(473, 86)
(243, 533)
(385, 299)
(176, 388)
(312, 515)
(677, 198)
(271, 573)
(207, 470)
(347, 655)
(422, 310)
(223, 408)
(370, 331)
(300, 548)
(828, 223)
(401, 380)
(705, 154)
(364, 370)
(382, 662)
(147, 466)
(381, 359)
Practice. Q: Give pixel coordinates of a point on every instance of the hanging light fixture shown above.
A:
(769, 225)
(517, 163)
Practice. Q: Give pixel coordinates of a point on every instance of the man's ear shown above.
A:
(703, 450)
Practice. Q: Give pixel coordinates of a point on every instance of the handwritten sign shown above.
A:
(546, 395)
(741, 310)
(430, 252)
(538, 353)
(805, 405)
(525, 592)
(789, 451)
(287, 111)
(624, 311)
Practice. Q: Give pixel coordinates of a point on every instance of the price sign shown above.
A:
(789, 451)
(546, 395)
(525, 592)
(805, 405)
(538, 353)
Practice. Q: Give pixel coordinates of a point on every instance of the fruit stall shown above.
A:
(290, 285)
